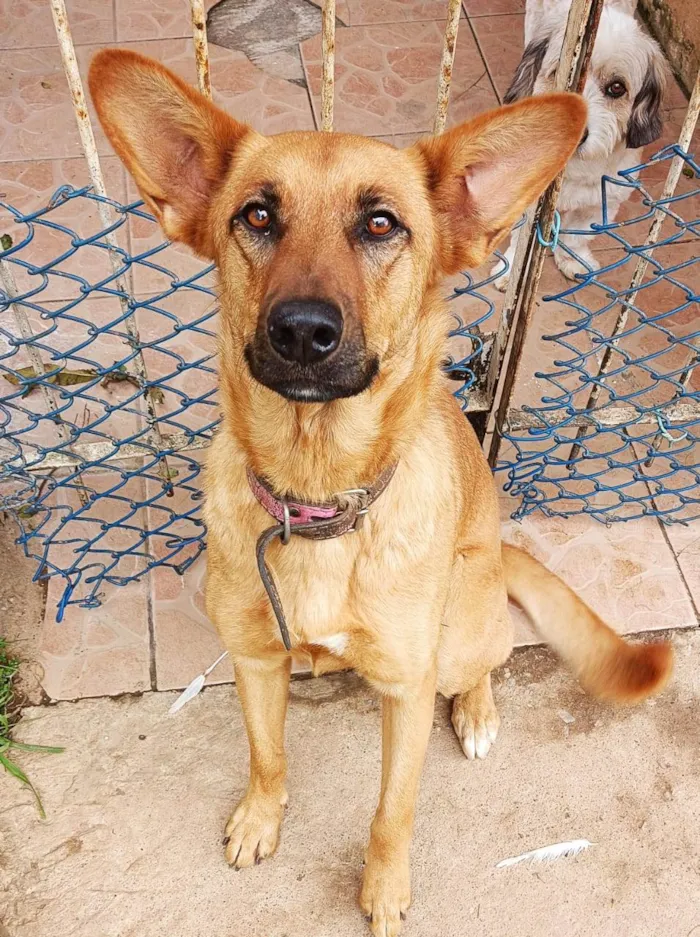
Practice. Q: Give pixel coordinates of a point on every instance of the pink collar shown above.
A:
(300, 512)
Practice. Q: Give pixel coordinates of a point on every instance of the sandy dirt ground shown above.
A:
(137, 805)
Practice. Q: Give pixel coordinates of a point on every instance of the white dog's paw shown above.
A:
(501, 283)
(571, 267)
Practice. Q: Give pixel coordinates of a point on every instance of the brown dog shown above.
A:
(331, 250)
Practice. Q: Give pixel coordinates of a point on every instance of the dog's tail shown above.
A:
(607, 666)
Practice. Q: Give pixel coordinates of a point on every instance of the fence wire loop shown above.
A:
(663, 429)
(553, 241)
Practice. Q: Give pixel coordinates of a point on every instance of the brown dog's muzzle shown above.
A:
(306, 350)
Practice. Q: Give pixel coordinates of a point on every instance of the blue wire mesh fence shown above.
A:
(616, 429)
(108, 381)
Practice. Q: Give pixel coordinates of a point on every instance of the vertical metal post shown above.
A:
(328, 73)
(87, 138)
(454, 9)
(577, 47)
(201, 46)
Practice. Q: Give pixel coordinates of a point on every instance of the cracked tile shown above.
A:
(269, 33)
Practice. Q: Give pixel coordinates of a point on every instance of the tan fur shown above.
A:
(419, 594)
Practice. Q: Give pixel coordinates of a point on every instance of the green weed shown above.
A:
(9, 666)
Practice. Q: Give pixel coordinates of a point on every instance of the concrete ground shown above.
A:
(137, 805)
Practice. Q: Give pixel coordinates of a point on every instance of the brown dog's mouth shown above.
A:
(347, 374)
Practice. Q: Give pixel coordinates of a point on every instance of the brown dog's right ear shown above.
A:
(175, 143)
(482, 175)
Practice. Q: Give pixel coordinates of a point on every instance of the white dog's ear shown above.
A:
(645, 124)
(526, 73)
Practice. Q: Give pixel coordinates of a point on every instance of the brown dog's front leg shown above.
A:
(253, 831)
(386, 888)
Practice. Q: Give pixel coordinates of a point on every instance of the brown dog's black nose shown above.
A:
(305, 332)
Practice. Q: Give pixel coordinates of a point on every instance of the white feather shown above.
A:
(548, 853)
(195, 687)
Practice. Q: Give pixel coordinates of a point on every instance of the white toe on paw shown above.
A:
(501, 283)
(571, 268)
(483, 740)
(476, 733)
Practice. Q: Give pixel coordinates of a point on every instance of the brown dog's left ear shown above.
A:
(175, 143)
(483, 174)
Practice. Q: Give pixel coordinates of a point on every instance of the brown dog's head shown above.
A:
(325, 243)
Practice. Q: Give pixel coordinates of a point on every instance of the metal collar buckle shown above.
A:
(364, 496)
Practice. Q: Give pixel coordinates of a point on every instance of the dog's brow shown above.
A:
(266, 193)
(270, 195)
(370, 199)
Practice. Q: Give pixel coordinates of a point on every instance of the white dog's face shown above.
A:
(624, 87)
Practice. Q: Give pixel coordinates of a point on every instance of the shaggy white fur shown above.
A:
(624, 91)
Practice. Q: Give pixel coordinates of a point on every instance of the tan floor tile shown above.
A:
(386, 78)
(99, 651)
(270, 105)
(36, 115)
(26, 24)
(685, 542)
(491, 7)
(644, 354)
(186, 642)
(625, 572)
(369, 12)
(501, 41)
(160, 19)
(672, 467)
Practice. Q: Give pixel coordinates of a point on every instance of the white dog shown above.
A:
(624, 90)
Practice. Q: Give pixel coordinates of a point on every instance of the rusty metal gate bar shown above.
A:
(581, 29)
(87, 139)
(201, 46)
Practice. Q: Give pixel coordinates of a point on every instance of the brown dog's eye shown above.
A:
(615, 89)
(380, 225)
(257, 217)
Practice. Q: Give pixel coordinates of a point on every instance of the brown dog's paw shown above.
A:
(385, 897)
(253, 832)
(475, 720)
